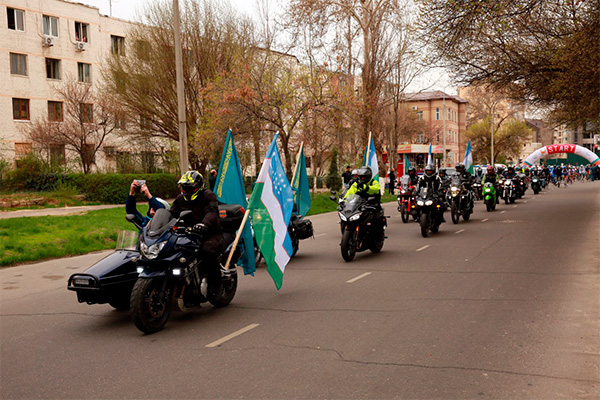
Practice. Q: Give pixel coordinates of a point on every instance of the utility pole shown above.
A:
(183, 150)
(492, 143)
(444, 127)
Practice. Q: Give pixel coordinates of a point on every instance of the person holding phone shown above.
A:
(154, 203)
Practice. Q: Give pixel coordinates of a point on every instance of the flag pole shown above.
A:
(237, 239)
(297, 162)
(367, 159)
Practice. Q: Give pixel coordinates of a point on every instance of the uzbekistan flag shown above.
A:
(429, 156)
(270, 209)
(468, 161)
(370, 158)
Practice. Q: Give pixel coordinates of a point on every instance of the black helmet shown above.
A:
(413, 170)
(365, 174)
(190, 184)
(510, 168)
(442, 171)
(429, 170)
(460, 167)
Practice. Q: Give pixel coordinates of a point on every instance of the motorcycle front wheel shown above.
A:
(424, 224)
(488, 205)
(150, 305)
(348, 245)
(455, 213)
(404, 213)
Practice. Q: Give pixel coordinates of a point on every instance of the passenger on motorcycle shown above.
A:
(204, 218)
(433, 182)
(154, 203)
(412, 174)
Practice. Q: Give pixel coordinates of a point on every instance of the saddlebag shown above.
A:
(304, 228)
(230, 216)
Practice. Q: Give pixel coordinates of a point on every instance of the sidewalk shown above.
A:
(56, 211)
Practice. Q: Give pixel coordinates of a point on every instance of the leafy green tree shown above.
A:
(334, 180)
(508, 139)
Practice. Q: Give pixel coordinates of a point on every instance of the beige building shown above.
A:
(43, 44)
(446, 116)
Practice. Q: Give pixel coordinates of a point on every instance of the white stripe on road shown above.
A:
(423, 248)
(462, 230)
(502, 212)
(514, 206)
(358, 277)
(526, 201)
(485, 219)
(320, 234)
(231, 336)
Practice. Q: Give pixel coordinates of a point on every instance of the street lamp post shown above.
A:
(183, 150)
(492, 143)
(444, 127)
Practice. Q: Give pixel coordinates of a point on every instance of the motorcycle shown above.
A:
(462, 202)
(299, 228)
(489, 196)
(536, 184)
(406, 204)
(510, 190)
(477, 188)
(172, 271)
(362, 224)
(430, 211)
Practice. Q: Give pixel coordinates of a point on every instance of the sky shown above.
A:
(129, 9)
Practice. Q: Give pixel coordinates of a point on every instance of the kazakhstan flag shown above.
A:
(301, 187)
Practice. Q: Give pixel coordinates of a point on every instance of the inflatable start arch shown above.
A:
(562, 148)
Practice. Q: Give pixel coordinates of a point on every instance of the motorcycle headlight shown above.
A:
(420, 202)
(354, 217)
(429, 202)
(454, 188)
(343, 217)
(151, 252)
(487, 190)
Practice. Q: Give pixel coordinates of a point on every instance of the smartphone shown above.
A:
(140, 183)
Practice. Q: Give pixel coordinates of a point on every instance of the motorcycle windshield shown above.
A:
(127, 240)
(424, 192)
(162, 221)
(455, 180)
(405, 182)
(352, 203)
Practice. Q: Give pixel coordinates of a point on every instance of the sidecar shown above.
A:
(111, 279)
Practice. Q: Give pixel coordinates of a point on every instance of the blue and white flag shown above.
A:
(406, 164)
(468, 161)
(229, 189)
(370, 159)
(429, 157)
(271, 207)
(301, 187)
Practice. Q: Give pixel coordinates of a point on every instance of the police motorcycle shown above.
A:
(362, 224)
(406, 201)
(430, 211)
(489, 196)
(462, 202)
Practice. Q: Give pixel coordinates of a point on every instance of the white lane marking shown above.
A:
(485, 219)
(514, 206)
(502, 212)
(526, 201)
(462, 230)
(358, 277)
(320, 234)
(423, 248)
(232, 335)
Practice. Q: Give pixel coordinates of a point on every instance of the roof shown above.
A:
(434, 95)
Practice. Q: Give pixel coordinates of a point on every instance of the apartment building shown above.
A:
(446, 116)
(44, 43)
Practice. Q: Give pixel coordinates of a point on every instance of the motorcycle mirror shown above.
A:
(130, 217)
(333, 198)
(333, 192)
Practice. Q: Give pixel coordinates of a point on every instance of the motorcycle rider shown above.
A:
(204, 219)
(154, 203)
(491, 176)
(366, 186)
(511, 174)
(412, 174)
(433, 182)
(466, 179)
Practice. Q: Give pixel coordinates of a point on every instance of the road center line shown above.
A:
(423, 248)
(462, 230)
(514, 206)
(485, 219)
(320, 234)
(232, 335)
(358, 277)
(502, 212)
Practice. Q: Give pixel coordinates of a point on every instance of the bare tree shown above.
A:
(80, 123)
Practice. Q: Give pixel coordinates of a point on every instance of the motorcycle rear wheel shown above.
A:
(149, 307)
(404, 213)
(348, 245)
(424, 224)
(223, 295)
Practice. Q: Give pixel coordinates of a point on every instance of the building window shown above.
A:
(84, 72)
(52, 68)
(87, 113)
(420, 115)
(88, 153)
(420, 138)
(117, 45)
(57, 154)
(81, 32)
(145, 123)
(437, 114)
(449, 114)
(20, 109)
(16, 19)
(50, 25)
(22, 149)
(55, 111)
(18, 64)
(437, 136)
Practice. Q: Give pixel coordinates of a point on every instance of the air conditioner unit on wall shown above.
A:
(414, 108)
(48, 41)
(80, 46)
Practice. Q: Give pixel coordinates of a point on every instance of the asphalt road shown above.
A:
(504, 306)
